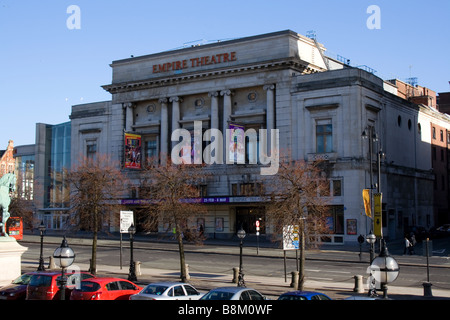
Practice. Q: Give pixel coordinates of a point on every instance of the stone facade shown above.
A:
(281, 81)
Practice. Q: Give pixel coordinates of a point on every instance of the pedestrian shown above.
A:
(412, 243)
(407, 245)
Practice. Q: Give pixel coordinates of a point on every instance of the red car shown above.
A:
(105, 289)
(17, 290)
(44, 285)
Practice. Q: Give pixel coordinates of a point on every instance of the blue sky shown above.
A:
(45, 67)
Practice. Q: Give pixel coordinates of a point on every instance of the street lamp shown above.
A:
(41, 257)
(241, 236)
(371, 238)
(132, 272)
(64, 256)
(385, 268)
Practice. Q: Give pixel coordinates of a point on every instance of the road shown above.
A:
(320, 266)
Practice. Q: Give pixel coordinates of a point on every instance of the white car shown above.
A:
(168, 291)
(233, 293)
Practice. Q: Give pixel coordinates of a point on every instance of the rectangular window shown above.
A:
(91, 150)
(247, 189)
(337, 188)
(234, 189)
(324, 136)
(151, 150)
(252, 143)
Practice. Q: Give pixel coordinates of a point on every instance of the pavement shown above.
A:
(272, 287)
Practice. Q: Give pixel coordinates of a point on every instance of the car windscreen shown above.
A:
(218, 295)
(23, 279)
(291, 297)
(154, 289)
(40, 280)
(87, 286)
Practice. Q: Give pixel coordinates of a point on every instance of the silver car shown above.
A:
(233, 293)
(168, 291)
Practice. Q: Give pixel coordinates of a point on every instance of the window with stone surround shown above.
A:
(324, 136)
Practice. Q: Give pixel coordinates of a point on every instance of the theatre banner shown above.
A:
(132, 151)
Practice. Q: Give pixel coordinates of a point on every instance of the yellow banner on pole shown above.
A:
(366, 199)
(377, 217)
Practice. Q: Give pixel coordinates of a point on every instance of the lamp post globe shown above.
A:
(64, 256)
(385, 269)
(371, 238)
(241, 234)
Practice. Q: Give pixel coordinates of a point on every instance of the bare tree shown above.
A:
(174, 192)
(298, 198)
(95, 187)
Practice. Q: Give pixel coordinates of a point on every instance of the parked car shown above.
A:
(44, 285)
(233, 293)
(17, 290)
(419, 232)
(106, 288)
(356, 297)
(303, 295)
(440, 232)
(168, 291)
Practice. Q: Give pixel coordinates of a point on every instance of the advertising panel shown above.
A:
(132, 151)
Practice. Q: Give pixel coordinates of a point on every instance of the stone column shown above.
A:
(270, 108)
(175, 112)
(129, 116)
(164, 127)
(214, 109)
(226, 117)
(226, 108)
(270, 114)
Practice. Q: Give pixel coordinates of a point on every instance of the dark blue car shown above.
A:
(303, 295)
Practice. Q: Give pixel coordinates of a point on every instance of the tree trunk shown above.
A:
(301, 273)
(183, 273)
(93, 264)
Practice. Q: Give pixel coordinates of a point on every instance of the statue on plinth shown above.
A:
(7, 185)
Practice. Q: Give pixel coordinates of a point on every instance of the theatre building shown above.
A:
(282, 81)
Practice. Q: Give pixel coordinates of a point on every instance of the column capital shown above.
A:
(162, 100)
(128, 105)
(227, 92)
(213, 94)
(176, 99)
(269, 86)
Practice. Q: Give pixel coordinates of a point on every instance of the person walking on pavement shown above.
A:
(412, 243)
(407, 245)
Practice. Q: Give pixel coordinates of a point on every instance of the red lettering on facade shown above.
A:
(194, 62)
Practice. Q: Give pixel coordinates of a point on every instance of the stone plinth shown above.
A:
(10, 259)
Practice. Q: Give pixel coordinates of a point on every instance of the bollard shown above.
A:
(294, 283)
(427, 289)
(187, 272)
(358, 284)
(137, 268)
(51, 264)
(235, 275)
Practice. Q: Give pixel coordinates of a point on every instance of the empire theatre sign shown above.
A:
(179, 65)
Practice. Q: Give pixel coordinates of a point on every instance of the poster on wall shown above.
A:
(352, 226)
(132, 151)
(236, 148)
